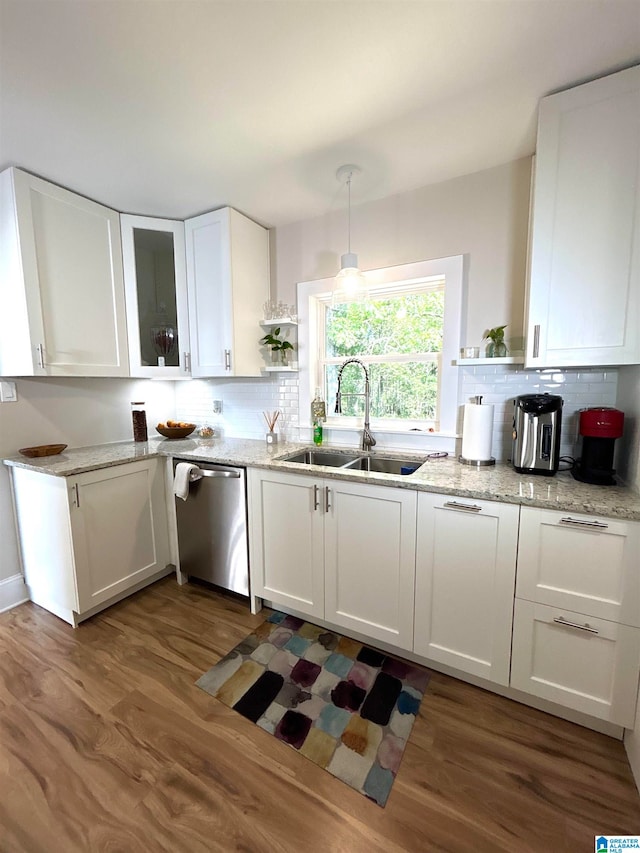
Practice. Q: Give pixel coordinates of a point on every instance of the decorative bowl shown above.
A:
(42, 450)
(176, 432)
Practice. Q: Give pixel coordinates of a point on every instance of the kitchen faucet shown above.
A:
(367, 439)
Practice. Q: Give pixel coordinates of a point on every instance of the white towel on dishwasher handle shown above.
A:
(185, 473)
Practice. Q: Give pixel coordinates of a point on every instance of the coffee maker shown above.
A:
(599, 428)
(537, 420)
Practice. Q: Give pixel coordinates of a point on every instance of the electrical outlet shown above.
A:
(217, 407)
(8, 392)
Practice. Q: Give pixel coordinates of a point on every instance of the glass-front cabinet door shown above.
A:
(156, 292)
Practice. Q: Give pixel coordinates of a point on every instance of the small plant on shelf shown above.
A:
(496, 348)
(279, 346)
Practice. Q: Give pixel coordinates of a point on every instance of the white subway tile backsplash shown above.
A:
(244, 400)
(579, 389)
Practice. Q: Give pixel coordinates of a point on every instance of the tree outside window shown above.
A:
(399, 336)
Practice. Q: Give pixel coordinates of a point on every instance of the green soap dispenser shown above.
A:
(318, 416)
(317, 433)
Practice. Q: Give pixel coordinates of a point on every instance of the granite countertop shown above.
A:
(443, 476)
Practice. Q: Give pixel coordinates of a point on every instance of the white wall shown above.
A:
(77, 412)
(629, 467)
(628, 450)
(483, 216)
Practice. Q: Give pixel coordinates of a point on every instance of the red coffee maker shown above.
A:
(599, 428)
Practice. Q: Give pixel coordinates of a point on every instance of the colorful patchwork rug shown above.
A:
(343, 705)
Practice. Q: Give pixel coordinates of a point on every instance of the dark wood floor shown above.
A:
(106, 744)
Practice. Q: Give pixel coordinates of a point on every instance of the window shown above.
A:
(406, 333)
(398, 335)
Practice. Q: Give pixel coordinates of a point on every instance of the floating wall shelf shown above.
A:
(509, 359)
(282, 321)
(276, 369)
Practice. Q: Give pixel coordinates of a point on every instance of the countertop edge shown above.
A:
(623, 503)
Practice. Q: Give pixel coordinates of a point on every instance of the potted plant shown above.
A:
(497, 347)
(278, 346)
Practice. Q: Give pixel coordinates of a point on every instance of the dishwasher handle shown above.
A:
(205, 472)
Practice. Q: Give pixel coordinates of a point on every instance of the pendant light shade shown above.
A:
(350, 282)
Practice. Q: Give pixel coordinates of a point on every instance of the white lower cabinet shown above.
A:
(370, 560)
(286, 541)
(88, 539)
(465, 578)
(340, 551)
(436, 575)
(576, 633)
(581, 562)
(578, 661)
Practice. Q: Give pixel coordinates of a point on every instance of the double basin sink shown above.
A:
(355, 461)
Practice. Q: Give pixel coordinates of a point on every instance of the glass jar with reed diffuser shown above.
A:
(271, 419)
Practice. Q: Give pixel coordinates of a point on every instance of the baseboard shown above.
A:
(632, 746)
(156, 576)
(13, 591)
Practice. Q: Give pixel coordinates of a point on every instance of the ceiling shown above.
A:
(170, 108)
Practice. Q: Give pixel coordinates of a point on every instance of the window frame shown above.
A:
(312, 295)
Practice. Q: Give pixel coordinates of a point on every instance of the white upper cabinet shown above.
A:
(61, 282)
(195, 294)
(584, 281)
(156, 291)
(228, 284)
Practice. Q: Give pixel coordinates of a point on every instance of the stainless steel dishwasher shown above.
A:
(212, 527)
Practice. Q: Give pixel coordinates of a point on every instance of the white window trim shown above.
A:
(452, 268)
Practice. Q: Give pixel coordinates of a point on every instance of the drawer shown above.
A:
(578, 661)
(584, 563)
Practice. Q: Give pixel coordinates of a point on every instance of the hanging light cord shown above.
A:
(349, 216)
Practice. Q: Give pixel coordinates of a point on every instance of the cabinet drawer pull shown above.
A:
(316, 497)
(560, 620)
(536, 341)
(40, 351)
(465, 507)
(77, 495)
(597, 525)
(327, 492)
(187, 362)
(227, 359)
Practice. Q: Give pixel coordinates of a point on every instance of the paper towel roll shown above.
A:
(477, 432)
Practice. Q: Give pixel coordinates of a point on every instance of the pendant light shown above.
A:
(350, 282)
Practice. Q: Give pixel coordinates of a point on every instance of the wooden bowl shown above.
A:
(176, 432)
(42, 450)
